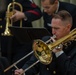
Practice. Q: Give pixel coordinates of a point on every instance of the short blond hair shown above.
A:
(64, 16)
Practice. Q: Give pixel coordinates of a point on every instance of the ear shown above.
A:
(56, 2)
(69, 27)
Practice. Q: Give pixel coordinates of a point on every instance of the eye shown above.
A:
(56, 28)
(46, 7)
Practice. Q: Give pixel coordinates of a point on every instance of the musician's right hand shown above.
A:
(18, 15)
(18, 72)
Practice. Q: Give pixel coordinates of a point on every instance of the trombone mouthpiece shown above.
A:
(54, 36)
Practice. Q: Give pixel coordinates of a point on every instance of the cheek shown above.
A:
(59, 34)
(51, 10)
(62, 34)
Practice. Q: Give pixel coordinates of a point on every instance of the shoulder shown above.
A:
(71, 8)
(45, 38)
(67, 3)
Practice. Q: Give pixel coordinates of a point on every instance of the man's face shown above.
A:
(48, 7)
(59, 29)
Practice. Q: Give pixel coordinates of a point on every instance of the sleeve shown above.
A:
(1, 68)
(59, 53)
(31, 10)
(66, 65)
(34, 70)
(73, 13)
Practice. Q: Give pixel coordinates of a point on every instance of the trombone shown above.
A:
(14, 64)
(43, 51)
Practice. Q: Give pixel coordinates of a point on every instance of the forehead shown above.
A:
(56, 22)
(45, 2)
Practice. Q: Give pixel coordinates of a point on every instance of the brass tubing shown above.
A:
(14, 64)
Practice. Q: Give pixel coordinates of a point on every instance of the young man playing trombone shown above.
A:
(63, 58)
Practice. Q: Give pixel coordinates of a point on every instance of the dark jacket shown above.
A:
(65, 64)
(4, 63)
(71, 8)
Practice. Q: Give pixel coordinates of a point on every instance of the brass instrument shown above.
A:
(8, 15)
(43, 51)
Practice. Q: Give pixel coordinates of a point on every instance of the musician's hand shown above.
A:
(18, 15)
(18, 72)
(58, 48)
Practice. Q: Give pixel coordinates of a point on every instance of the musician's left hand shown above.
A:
(57, 48)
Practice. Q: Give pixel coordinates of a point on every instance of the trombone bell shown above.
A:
(42, 52)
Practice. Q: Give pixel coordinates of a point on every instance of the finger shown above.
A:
(13, 16)
(17, 72)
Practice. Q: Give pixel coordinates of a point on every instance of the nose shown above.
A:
(45, 10)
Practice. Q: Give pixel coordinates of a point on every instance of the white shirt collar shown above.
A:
(57, 8)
